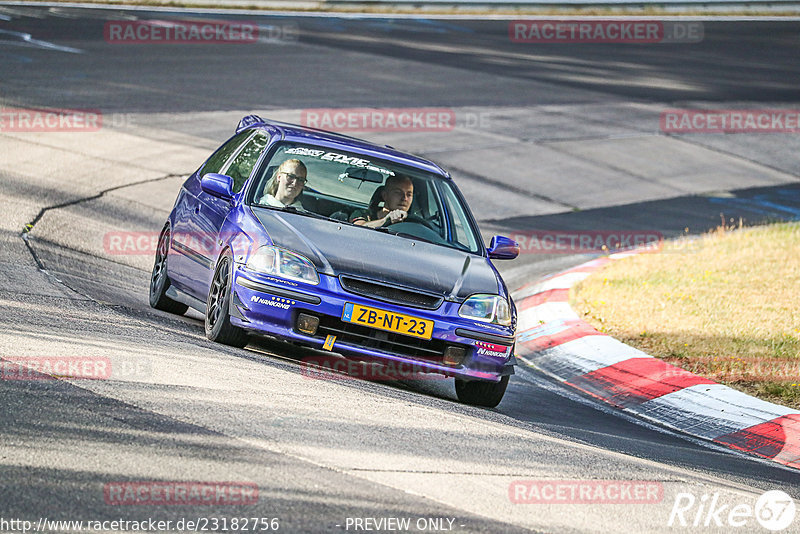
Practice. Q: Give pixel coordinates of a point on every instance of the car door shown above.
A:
(191, 257)
(212, 211)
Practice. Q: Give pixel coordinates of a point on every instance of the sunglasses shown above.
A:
(293, 177)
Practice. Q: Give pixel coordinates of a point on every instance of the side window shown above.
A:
(242, 165)
(218, 158)
(461, 228)
(435, 214)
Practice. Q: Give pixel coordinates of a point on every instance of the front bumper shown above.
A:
(270, 305)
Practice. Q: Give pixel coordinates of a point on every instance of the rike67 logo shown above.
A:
(774, 510)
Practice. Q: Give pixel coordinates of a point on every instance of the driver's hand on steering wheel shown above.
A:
(395, 216)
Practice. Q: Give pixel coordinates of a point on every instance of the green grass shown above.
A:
(727, 307)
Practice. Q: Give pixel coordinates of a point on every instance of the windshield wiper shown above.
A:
(409, 236)
(388, 230)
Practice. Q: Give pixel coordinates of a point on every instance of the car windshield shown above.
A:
(347, 187)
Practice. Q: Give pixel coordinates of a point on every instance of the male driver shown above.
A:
(397, 195)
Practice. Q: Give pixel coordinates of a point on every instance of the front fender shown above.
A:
(242, 234)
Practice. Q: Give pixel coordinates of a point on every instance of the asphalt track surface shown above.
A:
(569, 140)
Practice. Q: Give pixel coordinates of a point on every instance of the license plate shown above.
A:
(385, 320)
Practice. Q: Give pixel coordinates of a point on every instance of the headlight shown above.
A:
(487, 308)
(280, 262)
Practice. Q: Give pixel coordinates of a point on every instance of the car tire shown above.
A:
(218, 320)
(481, 393)
(159, 281)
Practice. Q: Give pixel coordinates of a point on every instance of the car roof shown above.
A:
(303, 134)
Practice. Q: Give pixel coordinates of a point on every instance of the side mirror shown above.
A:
(218, 185)
(503, 248)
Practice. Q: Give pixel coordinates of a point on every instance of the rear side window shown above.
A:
(218, 158)
(242, 165)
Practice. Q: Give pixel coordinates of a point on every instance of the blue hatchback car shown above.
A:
(341, 245)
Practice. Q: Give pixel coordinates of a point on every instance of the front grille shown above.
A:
(392, 294)
(419, 349)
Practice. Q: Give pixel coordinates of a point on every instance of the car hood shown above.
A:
(340, 248)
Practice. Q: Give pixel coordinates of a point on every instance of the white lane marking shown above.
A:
(544, 313)
(564, 281)
(25, 39)
(710, 410)
(706, 411)
(554, 385)
(583, 355)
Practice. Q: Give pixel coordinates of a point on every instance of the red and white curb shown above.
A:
(552, 338)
